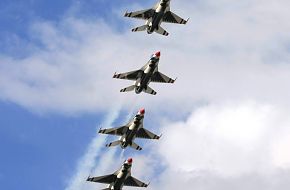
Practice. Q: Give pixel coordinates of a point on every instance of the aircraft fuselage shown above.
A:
(155, 21)
(121, 177)
(145, 78)
(128, 138)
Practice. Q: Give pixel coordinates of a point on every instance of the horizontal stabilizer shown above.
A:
(127, 89)
(115, 143)
(140, 28)
(135, 146)
(149, 91)
(162, 31)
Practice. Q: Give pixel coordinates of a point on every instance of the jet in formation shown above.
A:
(155, 16)
(120, 178)
(134, 129)
(148, 73)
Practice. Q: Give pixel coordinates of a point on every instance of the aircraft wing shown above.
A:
(170, 17)
(132, 75)
(144, 14)
(159, 77)
(114, 131)
(133, 182)
(145, 134)
(107, 179)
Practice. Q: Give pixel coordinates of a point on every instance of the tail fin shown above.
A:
(127, 89)
(115, 143)
(135, 146)
(140, 28)
(162, 31)
(149, 91)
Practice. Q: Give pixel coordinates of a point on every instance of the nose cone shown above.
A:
(130, 161)
(157, 54)
(142, 111)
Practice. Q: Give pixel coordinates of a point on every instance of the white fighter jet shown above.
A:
(134, 129)
(155, 16)
(120, 178)
(145, 75)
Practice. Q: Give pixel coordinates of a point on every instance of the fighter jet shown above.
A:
(134, 129)
(145, 75)
(155, 16)
(120, 178)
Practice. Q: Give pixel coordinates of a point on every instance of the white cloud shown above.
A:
(230, 139)
(280, 149)
(210, 181)
(228, 51)
(232, 64)
(240, 146)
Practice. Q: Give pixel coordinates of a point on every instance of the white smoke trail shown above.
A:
(109, 160)
(87, 162)
(122, 154)
(107, 164)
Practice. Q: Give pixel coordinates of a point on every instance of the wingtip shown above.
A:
(148, 184)
(100, 130)
(126, 13)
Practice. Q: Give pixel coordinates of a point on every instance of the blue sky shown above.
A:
(40, 151)
(226, 113)
(17, 17)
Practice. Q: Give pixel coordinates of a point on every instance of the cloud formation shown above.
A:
(227, 51)
(240, 146)
(232, 64)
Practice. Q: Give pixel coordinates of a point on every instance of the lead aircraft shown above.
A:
(120, 178)
(134, 129)
(148, 73)
(155, 16)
